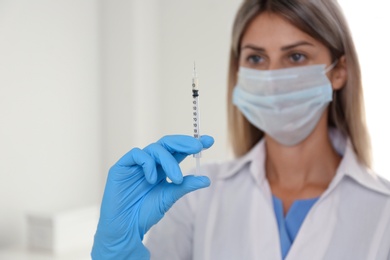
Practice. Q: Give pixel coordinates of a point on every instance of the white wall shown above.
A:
(370, 25)
(130, 44)
(50, 126)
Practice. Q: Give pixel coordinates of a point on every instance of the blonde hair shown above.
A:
(324, 21)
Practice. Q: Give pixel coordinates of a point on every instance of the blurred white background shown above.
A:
(83, 81)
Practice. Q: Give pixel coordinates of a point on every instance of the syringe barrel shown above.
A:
(196, 117)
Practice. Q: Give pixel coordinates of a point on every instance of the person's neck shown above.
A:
(312, 163)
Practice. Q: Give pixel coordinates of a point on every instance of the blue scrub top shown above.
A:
(289, 225)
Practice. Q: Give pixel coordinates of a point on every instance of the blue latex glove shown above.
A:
(137, 194)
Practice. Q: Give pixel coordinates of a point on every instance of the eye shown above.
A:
(297, 57)
(255, 59)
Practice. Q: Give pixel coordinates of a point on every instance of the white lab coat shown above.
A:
(234, 218)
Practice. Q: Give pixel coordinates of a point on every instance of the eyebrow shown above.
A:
(284, 48)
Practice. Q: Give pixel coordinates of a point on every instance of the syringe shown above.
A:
(196, 116)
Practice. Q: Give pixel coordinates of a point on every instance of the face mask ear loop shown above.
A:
(331, 66)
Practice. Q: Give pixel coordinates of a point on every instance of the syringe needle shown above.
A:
(194, 73)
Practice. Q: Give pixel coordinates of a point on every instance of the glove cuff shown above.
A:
(133, 248)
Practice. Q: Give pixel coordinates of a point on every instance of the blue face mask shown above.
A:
(287, 103)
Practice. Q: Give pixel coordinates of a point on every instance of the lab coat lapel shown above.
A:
(268, 242)
(317, 230)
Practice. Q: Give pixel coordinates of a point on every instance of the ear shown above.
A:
(338, 76)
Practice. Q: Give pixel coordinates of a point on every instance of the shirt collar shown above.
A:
(349, 165)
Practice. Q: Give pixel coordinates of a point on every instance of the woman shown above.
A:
(301, 187)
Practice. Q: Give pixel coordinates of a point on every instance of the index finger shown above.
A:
(181, 144)
(206, 141)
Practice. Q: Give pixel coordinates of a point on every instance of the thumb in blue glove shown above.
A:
(137, 194)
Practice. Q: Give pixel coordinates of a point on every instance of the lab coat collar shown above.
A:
(349, 165)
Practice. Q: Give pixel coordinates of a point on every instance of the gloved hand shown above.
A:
(137, 194)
